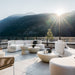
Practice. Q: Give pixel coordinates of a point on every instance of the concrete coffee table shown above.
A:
(62, 66)
(33, 50)
(46, 57)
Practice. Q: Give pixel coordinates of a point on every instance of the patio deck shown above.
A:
(28, 64)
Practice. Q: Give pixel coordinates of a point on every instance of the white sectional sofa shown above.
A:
(15, 45)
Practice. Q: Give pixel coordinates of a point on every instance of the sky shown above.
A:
(11, 7)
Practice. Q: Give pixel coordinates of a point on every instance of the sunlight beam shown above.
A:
(59, 12)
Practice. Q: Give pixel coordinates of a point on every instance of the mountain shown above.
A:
(38, 25)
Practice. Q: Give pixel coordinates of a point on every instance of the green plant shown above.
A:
(49, 36)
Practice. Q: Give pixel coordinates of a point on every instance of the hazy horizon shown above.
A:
(11, 7)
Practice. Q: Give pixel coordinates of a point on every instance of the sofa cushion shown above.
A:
(11, 42)
(42, 46)
(59, 47)
(39, 42)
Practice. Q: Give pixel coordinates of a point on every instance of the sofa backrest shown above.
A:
(28, 41)
(39, 41)
(11, 42)
(19, 41)
(31, 41)
(59, 47)
(23, 42)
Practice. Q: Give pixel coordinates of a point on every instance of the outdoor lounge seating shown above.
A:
(57, 58)
(15, 45)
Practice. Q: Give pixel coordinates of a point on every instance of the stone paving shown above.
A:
(28, 64)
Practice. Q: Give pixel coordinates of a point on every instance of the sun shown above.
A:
(59, 12)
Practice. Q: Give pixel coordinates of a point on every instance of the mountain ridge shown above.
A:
(37, 25)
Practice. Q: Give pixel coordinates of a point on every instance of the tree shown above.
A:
(49, 36)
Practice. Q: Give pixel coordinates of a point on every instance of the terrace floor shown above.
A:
(28, 64)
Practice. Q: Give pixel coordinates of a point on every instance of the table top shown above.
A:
(48, 54)
(65, 62)
(34, 47)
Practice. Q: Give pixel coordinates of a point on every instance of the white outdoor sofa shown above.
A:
(15, 45)
(64, 65)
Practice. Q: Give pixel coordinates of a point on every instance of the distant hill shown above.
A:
(37, 25)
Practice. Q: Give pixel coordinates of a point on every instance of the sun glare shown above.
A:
(59, 12)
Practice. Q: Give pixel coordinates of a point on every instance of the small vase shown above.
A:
(33, 46)
(49, 50)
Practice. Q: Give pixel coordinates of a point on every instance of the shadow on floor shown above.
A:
(38, 68)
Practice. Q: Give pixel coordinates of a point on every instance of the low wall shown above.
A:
(67, 39)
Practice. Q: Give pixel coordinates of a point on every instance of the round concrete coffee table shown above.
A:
(33, 50)
(46, 57)
(62, 66)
